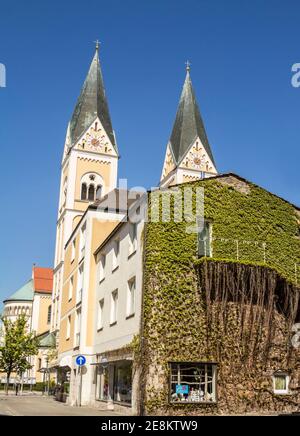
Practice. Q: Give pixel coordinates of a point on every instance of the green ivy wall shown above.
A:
(175, 325)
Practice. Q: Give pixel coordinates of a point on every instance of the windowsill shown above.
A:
(132, 315)
(131, 254)
(115, 268)
(113, 324)
(282, 393)
(100, 330)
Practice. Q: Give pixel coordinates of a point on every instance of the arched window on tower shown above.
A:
(83, 191)
(91, 195)
(91, 187)
(98, 192)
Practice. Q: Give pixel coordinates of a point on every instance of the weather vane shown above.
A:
(97, 42)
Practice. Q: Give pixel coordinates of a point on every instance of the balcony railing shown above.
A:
(259, 252)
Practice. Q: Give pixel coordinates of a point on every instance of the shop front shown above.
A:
(114, 382)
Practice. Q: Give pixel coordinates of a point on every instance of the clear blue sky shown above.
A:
(241, 53)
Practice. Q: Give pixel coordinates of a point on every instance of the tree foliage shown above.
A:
(18, 345)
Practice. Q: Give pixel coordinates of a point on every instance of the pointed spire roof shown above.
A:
(91, 104)
(188, 123)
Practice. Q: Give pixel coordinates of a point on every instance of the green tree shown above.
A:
(17, 346)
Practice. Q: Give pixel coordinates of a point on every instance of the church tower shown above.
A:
(89, 166)
(188, 156)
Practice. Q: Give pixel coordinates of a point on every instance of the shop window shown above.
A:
(115, 382)
(123, 382)
(281, 383)
(193, 382)
(104, 383)
(205, 239)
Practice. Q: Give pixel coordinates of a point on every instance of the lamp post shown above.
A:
(48, 375)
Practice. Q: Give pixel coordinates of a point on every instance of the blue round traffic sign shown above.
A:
(80, 360)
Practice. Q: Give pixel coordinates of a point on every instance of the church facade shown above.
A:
(171, 320)
(34, 301)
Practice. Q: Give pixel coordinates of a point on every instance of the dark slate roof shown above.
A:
(90, 104)
(188, 124)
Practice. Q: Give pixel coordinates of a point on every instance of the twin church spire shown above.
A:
(91, 104)
(188, 156)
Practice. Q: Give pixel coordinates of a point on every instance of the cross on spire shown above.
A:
(188, 65)
(97, 42)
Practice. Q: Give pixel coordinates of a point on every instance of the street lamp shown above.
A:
(48, 375)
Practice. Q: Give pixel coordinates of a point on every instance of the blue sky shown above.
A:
(241, 54)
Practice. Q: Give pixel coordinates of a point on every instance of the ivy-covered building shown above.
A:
(177, 316)
(220, 304)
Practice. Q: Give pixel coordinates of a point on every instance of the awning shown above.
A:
(66, 361)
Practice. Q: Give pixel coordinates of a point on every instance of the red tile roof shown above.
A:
(43, 280)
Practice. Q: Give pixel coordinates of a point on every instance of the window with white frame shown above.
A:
(68, 332)
(132, 238)
(193, 382)
(82, 241)
(71, 288)
(205, 238)
(130, 309)
(114, 307)
(100, 314)
(281, 383)
(102, 264)
(79, 285)
(73, 250)
(116, 254)
(77, 327)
